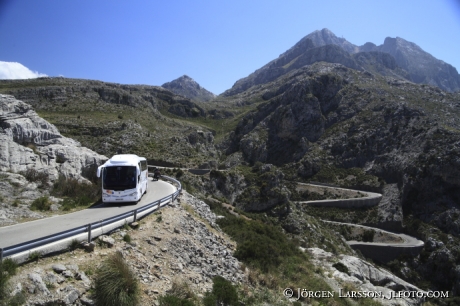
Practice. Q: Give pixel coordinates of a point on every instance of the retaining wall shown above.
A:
(372, 199)
(385, 253)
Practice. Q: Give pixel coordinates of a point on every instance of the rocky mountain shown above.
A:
(330, 123)
(189, 88)
(327, 114)
(407, 61)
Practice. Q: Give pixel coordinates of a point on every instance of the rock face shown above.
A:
(30, 142)
(187, 87)
(365, 277)
(400, 58)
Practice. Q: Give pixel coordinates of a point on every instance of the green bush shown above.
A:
(260, 245)
(76, 193)
(223, 293)
(180, 294)
(115, 283)
(41, 203)
(9, 266)
(368, 235)
(7, 269)
(127, 238)
(341, 267)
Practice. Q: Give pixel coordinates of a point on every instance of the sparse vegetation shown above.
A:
(35, 256)
(115, 283)
(341, 267)
(41, 203)
(75, 193)
(74, 244)
(32, 175)
(223, 293)
(127, 238)
(180, 294)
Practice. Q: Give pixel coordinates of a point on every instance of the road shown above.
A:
(22, 232)
(408, 241)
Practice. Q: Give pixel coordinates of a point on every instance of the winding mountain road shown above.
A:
(23, 232)
(381, 251)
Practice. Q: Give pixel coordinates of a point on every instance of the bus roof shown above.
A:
(124, 160)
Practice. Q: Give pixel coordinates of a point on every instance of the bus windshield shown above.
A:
(119, 178)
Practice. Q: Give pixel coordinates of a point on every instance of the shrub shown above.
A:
(76, 193)
(341, 267)
(33, 175)
(179, 173)
(127, 238)
(41, 203)
(7, 269)
(260, 245)
(9, 266)
(115, 283)
(223, 293)
(3, 286)
(368, 235)
(180, 294)
(35, 256)
(171, 300)
(74, 244)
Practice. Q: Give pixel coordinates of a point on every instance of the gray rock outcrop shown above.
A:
(27, 141)
(364, 277)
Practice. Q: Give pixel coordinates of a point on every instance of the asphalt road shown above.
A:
(19, 233)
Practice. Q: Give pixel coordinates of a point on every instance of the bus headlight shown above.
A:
(132, 194)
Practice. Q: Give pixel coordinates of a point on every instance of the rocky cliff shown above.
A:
(29, 142)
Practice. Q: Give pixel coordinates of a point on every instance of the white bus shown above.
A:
(124, 178)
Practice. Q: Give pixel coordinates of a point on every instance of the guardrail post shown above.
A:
(135, 215)
(1, 255)
(89, 233)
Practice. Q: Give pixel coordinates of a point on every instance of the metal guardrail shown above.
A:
(15, 249)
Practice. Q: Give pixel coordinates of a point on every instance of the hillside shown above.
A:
(109, 118)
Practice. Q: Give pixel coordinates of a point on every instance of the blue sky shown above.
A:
(214, 42)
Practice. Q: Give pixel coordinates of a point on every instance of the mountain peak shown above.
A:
(326, 37)
(189, 88)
